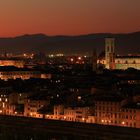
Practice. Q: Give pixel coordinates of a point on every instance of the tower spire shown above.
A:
(110, 53)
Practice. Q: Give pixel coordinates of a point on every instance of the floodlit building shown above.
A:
(32, 105)
(125, 62)
(11, 72)
(113, 61)
(17, 62)
(111, 110)
(76, 114)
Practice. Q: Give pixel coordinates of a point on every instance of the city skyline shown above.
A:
(69, 69)
(68, 17)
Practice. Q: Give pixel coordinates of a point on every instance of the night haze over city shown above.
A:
(70, 69)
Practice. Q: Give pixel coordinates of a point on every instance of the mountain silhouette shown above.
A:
(125, 43)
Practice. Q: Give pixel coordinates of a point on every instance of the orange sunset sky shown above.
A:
(68, 17)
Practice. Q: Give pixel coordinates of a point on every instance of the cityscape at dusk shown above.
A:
(70, 70)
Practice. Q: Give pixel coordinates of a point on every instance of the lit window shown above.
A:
(79, 97)
(3, 105)
(102, 121)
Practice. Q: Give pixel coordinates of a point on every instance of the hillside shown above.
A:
(125, 43)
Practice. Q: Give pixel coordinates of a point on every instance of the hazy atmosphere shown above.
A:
(68, 17)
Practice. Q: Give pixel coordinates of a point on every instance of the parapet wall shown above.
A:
(22, 128)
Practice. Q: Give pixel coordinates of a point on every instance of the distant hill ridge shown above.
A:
(125, 43)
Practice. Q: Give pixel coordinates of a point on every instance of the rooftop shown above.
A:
(109, 98)
(133, 105)
(12, 68)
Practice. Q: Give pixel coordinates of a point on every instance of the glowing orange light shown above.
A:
(71, 59)
(79, 58)
(102, 121)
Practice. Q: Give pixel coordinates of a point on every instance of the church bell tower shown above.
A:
(110, 53)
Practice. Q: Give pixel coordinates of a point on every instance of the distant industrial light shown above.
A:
(71, 59)
(51, 55)
(60, 54)
(79, 58)
(79, 97)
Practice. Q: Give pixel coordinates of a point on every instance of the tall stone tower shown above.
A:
(110, 53)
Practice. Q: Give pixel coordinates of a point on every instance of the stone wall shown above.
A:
(22, 128)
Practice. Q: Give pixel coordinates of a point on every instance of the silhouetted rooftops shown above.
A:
(133, 105)
(109, 98)
(13, 68)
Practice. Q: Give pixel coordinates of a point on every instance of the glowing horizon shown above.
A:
(68, 17)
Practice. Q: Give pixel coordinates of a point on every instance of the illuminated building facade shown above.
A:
(4, 103)
(76, 114)
(18, 74)
(10, 72)
(114, 111)
(125, 62)
(7, 101)
(32, 106)
(12, 62)
(113, 61)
